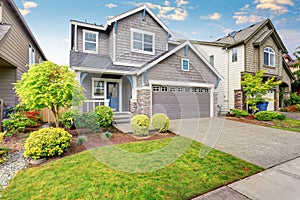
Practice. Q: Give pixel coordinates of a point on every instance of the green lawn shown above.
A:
(287, 124)
(82, 176)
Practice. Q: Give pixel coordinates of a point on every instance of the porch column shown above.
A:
(77, 76)
(133, 100)
(134, 87)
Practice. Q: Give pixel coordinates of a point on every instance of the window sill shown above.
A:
(93, 52)
(270, 67)
(142, 52)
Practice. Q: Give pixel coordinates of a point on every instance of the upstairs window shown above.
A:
(269, 57)
(31, 55)
(185, 65)
(142, 41)
(234, 55)
(90, 41)
(212, 60)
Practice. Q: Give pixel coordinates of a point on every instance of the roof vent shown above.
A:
(232, 34)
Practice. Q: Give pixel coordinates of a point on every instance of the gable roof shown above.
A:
(23, 22)
(244, 35)
(110, 21)
(136, 10)
(168, 54)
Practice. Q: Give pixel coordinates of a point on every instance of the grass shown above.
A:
(83, 176)
(287, 124)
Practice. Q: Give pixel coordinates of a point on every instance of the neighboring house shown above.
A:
(130, 64)
(18, 48)
(291, 62)
(257, 47)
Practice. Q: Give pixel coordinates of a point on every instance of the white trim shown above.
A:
(131, 12)
(185, 59)
(199, 54)
(88, 25)
(272, 52)
(83, 41)
(128, 64)
(132, 30)
(75, 37)
(105, 80)
(185, 84)
(86, 69)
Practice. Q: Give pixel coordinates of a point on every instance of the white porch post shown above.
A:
(134, 87)
(77, 77)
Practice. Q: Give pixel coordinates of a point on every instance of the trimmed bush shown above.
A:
(140, 125)
(67, 118)
(105, 115)
(87, 120)
(268, 116)
(17, 122)
(161, 122)
(47, 142)
(240, 113)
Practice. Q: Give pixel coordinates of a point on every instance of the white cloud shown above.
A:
(290, 38)
(27, 5)
(167, 11)
(243, 19)
(245, 7)
(278, 6)
(111, 5)
(226, 30)
(214, 16)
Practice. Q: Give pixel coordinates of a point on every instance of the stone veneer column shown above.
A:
(143, 101)
(239, 100)
(133, 106)
(277, 96)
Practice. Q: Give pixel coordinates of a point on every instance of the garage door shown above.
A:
(181, 102)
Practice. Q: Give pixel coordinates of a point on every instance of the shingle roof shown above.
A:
(96, 61)
(241, 35)
(4, 28)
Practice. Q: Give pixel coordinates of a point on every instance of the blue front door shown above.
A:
(113, 95)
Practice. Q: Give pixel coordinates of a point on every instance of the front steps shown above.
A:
(122, 117)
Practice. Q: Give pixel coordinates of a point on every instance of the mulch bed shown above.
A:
(250, 120)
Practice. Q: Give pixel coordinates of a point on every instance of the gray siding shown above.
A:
(15, 47)
(7, 77)
(170, 70)
(123, 38)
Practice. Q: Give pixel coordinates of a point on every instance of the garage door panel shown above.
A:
(181, 104)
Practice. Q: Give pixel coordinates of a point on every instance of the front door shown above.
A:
(113, 95)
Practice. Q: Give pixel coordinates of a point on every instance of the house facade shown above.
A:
(131, 65)
(257, 47)
(18, 49)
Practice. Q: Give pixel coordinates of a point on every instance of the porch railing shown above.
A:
(90, 105)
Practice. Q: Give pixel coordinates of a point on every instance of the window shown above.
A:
(185, 65)
(156, 88)
(90, 41)
(234, 55)
(269, 56)
(142, 41)
(164, 89)
(98, 88)
(172, 89)
(212, 60)
(31, 55)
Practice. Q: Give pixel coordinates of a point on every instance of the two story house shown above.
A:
(257, 47)
(131, 65)
(18, 49)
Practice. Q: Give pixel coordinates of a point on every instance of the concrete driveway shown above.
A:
(263, 146)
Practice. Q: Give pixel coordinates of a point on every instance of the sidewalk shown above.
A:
(277, 183)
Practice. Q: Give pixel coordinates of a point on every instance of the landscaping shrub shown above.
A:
(297, 106)
(17, 122)
(268, 116)
(106, 135)
(292, 108)
(140, 125)
(160, 121)
(240, 113)
(87, 120)
(283, 109)
(81, 139)
(3, 150)
(294, 99)
(105, 115)
(47, 142)
(67, 118)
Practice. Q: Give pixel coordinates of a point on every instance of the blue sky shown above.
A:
(205, 20)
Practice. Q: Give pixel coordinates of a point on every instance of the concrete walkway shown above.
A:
(269, 148)
(293, 115)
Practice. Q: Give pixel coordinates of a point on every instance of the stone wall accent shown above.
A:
(143, 101)
(133, 106)
(239, 100)
(277, 98)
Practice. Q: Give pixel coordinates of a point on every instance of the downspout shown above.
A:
(228, 76)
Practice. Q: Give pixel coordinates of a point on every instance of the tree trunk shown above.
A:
(56, 115)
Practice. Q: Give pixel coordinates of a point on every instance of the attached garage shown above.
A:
(180, 102)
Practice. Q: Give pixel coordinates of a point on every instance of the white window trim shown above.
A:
(142, 32)
(184, 59)
(31, 54)
(83, 41)
(93, 88)
(269, 56)
(234, 51)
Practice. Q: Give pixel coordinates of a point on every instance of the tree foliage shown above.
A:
(255, 88)
(48, 85)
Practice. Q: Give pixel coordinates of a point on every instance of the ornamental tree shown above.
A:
(255, 88)
(48, 85)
